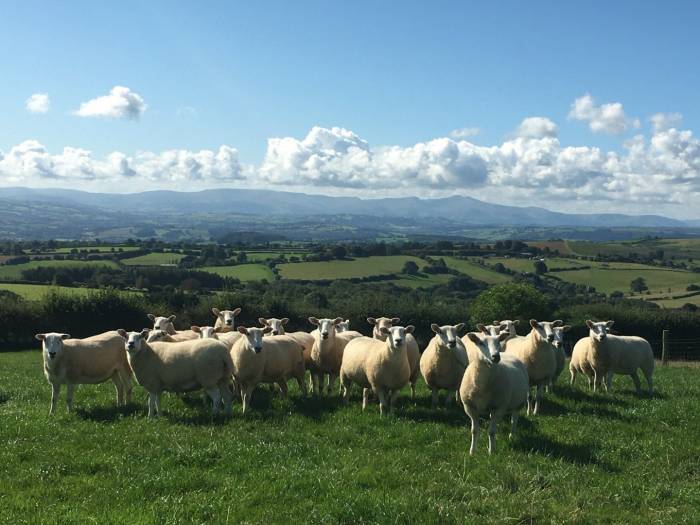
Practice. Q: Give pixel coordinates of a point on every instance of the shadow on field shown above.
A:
(550, 407)
(574, 453)
(575, 394)
(107, 414)
(4, 398)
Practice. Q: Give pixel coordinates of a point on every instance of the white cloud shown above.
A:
(606, 118)
(664, 121)
(38, 103)
(536, 127)
(463, 133)
(121, 103)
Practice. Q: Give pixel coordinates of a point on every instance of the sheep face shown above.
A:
(489, 329)
(507, 326)
(162, 323)
(277, 325)
(343, 327)
(599, 331)
(490, 346)
(559, 332)
(448, 334)
(382, 322)
(326, 327)
(396, 335)
(206, 332)
(52, 343)
(227, 317)
(135, 341)
(544, 329)
(254, 337)
(157, 335)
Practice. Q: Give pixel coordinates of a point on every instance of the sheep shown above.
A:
(86, 361)
(206, 332)
(305, 339)
(412, 350)
(343, 327)
(326, 353)
(444, 361)
(179, 367)
(380, 365)
(494, 384)
(160, 336)
(536, 352)
(618, 354)
(166, 324)
(578, 364)
(489, 329)
(508, 326)
(225, 319)
(258, 359)
(559, 353)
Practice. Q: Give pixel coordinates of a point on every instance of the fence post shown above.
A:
(664, 348)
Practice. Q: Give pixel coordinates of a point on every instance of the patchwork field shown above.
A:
(243, 272)
(658, 280)
(14, 271)
(360, 267)
(268, 256)
(586, 459)
(154, 259)
(476, 271)
(676, 248)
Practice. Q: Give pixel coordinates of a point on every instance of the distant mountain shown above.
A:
(60, 213)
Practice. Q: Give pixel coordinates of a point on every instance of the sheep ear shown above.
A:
(558, 322)
(40, 337)
(395, 320)
(151, 317)
(171, 318)
(589, 324)
(534, 323)
(371, 320)
(566, 327)
(474, 338)
(482, 328)
(609, 324)
(196, 329)
(267, 330)
(262, 321)
(217, 329)
(284, 320)
(65, 336)
(435, 328)
(313, 320)
(384, 330)
(459, 327)
(502, 337)
(122, 333)
(144, 333)
(243, 330)
(215, 311)
(516, 322)
(496, 323)
(236, 312)
(337, 320)
(409, 329)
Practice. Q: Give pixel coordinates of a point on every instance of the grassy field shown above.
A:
(14, 271)
(243, 272)
(658, 280)
(528, 265)
(101, 249)
(561, 246)
(677, 303)
(154, 259)
(268, 256)
(422, 280)
(34, 292)
(678, 248)
(360, 267)
(608, 458)
(476, 271)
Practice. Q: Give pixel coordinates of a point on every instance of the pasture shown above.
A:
(14, 271)
(672, 248)
(476, 271)
(268, 256)
(355, 268)
(34, 292)
(243, 272)
(659, 280)
(605, 458)
(154, 259)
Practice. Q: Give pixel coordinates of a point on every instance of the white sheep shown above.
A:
(495, 384)
(276, 324)
(444, 361)
(578, 364)
(226, 319)
(343, 327)
(166, 324)
(618, 354)
(326, 353)
(508, 326)
(258, 359)
(536, 352)
(206, 332)
(186, 366)
(379, 365)
(412, 350)
(559, 353)
(305, 339)
(86, 361)
(489, 329)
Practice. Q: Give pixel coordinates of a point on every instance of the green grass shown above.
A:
(678, 248)
(154, 259)
(268, 256)
(528, 265)
(422, 280)
(360, 267)
(101, 249)
(243, 272)
(608, 458)
(677, 303)
(35, 292)
(14, 271)
(476, 271)
(658, 280)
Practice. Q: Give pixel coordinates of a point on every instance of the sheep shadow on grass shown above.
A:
(588, 396)
(574, 453)
(107, 414)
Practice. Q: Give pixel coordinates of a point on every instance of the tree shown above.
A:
(339, 252)
(638, 285)
(540, 267)
(499, 267)
(510, 301)
(410, 268)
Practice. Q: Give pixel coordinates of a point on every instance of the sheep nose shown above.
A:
(228, 321)
(496, 358)
(452, 344)
(325, 334)
(258, 349)
(274, 332)
(398, 341)
(130, 345)
(52, 354)
(550, 338)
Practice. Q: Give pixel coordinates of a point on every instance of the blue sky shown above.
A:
(393, 74)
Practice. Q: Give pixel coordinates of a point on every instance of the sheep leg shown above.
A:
(492, 433)
(227, 396)
(608, 381)
(331, 383)
(381, 394)
(128, 385)
(55, 392)
(302, 384)
(247, 397)
(119, 386)
(475, 432)
(215, 396)
(70, 389)
(448, 399)
(152, 404)
(650, 381)
(572, 371)
(283, 388)
(393, 395)
(315, 383)
(413, 389)
(596, 382)
(637, 383)
(434, 400)
(365, 398)
(513, 424)
(530, 402)
(538, 399)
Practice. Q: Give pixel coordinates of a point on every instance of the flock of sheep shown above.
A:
(492, 371)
